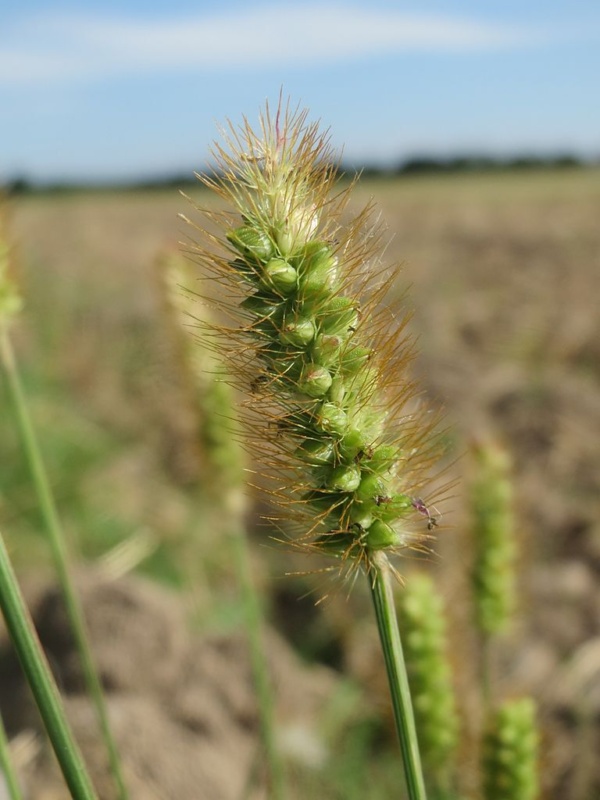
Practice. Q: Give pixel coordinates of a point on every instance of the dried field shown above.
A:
(504, 276)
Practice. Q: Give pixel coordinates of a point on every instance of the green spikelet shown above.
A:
(323, 365)
(423, 625)
(493, 539)
(10, 300)
(510, 753)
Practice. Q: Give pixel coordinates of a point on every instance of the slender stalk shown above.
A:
(43, 687)
(60, 554)
(7, 770)
(385, 612)
(254, 618)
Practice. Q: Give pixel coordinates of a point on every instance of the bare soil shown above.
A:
(182, 705)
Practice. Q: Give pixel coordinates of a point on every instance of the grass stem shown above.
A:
(60, 554)
(264, 691)
(36, 669)
(387, 623)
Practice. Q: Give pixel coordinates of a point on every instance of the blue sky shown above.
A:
(125, 88)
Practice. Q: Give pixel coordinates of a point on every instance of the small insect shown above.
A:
(382, 499)
(258, 383)
(420, 506)
(366, 453)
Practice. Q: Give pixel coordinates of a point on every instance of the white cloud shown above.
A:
(59, 47)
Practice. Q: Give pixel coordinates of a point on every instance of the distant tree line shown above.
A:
(423, 164)
(414, 166)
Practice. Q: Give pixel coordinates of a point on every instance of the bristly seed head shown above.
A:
(336, 425)
(10, 300)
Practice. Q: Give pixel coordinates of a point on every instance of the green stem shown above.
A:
(6, 766)
(385, 611)
(36, 669)
(60, 555)
(254, 619)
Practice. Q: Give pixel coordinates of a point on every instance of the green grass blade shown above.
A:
(39, 677)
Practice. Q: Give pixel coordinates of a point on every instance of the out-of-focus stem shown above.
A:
(39, 677)
(264, 691)
(59, 553)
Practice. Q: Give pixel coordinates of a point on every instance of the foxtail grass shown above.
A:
(209, 394)
(510, 736)
(493, 575)
(342, 442)
(423, 622)
(510, 753)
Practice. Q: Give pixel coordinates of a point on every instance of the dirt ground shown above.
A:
(504, 276)
(182, 706)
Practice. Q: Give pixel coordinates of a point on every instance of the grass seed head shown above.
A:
(332, 415)
(510, 753)
(10, 299)
(215, 428)
(494, 538)
(425, 644)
